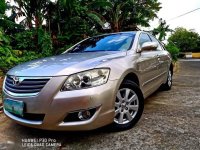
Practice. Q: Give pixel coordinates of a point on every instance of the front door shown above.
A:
(147, 65)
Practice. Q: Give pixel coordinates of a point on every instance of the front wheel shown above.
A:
(129, 105)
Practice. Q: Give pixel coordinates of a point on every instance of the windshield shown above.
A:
(111, 42)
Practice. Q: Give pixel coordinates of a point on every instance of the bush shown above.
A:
(10, 58)
(44, 43)
(173, 50)
(24, 40)
(34, 40)
(7, 58)
(28, 56)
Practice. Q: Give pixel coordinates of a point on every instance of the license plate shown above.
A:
(15, 107)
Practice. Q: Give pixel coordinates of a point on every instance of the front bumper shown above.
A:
(56, 106)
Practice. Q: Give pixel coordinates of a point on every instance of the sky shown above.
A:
(173, 8)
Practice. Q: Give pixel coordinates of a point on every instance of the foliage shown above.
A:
(6, 23)
(60, 16)
(2, 7)
(141, 12)
(161, 30)
(185, 40)
(28, 56)
(173, 50)
(24, 40)
(32, 10)
(7, 57)
(51, 27)
(33, 40)
(82, 18)
(128, 14)
(44, 42)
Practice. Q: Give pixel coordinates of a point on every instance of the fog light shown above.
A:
(84, 115)
(80, 115)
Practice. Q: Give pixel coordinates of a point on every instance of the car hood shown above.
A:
(64, 64)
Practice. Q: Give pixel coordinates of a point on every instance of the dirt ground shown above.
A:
(171, 120)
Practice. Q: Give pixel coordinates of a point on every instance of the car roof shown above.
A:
(132, 32)
(113, 33)
(136, 33)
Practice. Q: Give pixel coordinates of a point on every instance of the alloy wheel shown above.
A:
(126, 106)
(169, 80)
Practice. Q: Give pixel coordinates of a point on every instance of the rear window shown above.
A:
(112, 42)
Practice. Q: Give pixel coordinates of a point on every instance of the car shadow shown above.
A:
(149, 99)
(63, 137)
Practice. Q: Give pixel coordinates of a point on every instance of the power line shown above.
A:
(183, 14)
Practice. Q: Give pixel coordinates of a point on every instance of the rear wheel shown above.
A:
(129, 105)
(168, 83)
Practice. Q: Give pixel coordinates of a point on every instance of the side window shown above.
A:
(155, 40)
(144, 38)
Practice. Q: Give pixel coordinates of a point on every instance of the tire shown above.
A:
(129, 106)
(168, 84)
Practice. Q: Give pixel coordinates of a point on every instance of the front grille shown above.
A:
(26, 85)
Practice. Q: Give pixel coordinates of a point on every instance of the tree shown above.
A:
(127, 14)
(185, 40)
(2, 11)
(6, 23)
(162, 30)
(141, 12)
(33, 11)
(2, 7)
(69, 21)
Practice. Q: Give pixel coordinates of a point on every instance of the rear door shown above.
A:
(163, 59)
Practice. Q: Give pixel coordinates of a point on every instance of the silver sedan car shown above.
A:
(102, 80)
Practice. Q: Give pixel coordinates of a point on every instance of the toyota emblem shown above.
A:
(16, 81)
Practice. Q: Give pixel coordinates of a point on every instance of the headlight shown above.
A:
(86, 79)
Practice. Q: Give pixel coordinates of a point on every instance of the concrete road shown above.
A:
(171, 120)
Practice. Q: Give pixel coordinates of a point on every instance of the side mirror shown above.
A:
(148, 46)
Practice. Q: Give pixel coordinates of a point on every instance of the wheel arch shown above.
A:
(132, 77)
(129, 75)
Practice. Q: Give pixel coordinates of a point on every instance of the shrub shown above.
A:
(28, 56)
(173, 50)
(7, 58)
(33, 40)
(24, 40)
(10, 58)
(44, 42)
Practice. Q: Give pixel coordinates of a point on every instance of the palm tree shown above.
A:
(127, 14)
(111, 11)
(33, 11)
(162, 30)
(7, 23)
